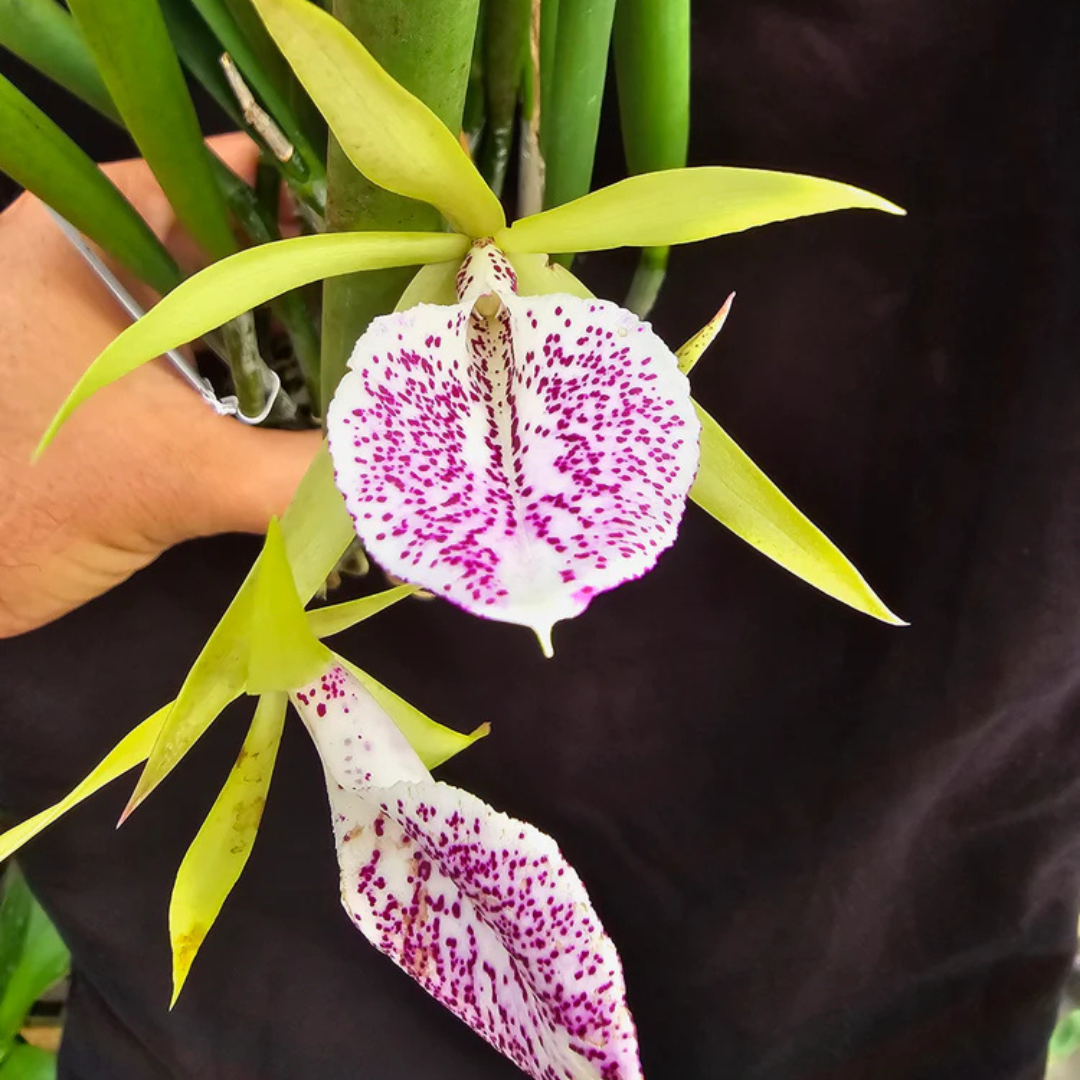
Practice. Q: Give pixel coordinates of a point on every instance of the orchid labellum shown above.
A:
(480, 909)
(516, 455)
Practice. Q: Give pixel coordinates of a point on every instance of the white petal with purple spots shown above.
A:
(517, 455)
(482, 910)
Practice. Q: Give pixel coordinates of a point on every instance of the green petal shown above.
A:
(539, 277)
(679, 206)
(130, 751)
(394, 139)
(283, 653)
(237, 284)
(739, 495)
(695, 348)
(327, 621)
(433, 742)
(219, 852)
(316, 529)
(435, 283)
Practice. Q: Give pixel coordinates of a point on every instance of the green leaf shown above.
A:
(738, 494)
(652, 69)
(16, 906)
(505, 47)
(283, 653)
(130, 42)
(43, 34)
(694, 349)
(680, 206)
(265, 83)
(326, 621)
(432, 741)
(131, 750)
(218, 854)
(316, 529)
(43, 959)
(570, 113)
(26, 1062)
(391, 137)
(237, 284)
(38, 155)
(1065, 1040)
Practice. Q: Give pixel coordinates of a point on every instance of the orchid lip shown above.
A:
(516, 455)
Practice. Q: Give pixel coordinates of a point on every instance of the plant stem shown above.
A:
(426, 45)
(506, 43)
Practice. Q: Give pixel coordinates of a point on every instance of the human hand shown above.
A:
(140, 467)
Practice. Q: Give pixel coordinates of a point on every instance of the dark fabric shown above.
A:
(828, 849)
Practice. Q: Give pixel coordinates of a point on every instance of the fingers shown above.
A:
(250, 476)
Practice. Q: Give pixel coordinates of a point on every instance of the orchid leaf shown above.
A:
(694, 349)
(26, 1062)
(282, 650)
(680, 206)
(574, 95)
(516, 463)
(43, 34)
(133, 749)
(433, 742)
(130, 43)
(538, 276)
(38, 155)
(237, 284)
(316, 531)
(326, 621)
(391, 137)
(442, 884)
(738, 494)
(218, 854)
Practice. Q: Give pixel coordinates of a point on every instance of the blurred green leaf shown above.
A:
(27, 1062)
(681, 206)
(571, 98)
(43, 959)
(652, 70)
(44, 35)
(237, 284)
(130, 43)
(391, 137)
(218, 854)
(38, 155)
(1065, 1040)
(506, 45)
(731, 488)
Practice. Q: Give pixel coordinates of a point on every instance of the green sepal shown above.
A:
(218, 854)
(327, 621)
(731, 488)
(693, 350)
(283, 653)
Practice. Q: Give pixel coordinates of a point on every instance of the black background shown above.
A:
(827, 849)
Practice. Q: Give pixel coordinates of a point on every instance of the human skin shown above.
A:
(142, 466)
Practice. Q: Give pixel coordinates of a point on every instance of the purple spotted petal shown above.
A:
(482, 910)
(517, 455)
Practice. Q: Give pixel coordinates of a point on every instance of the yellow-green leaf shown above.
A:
(327, 621)
(392, 137)
(219, 852)
(432, 741)
(283, 653)
(241, 282)
(130, 751)
(679, 206)
(695, 348)
(316, 529)
(537, 276)
(738, 494)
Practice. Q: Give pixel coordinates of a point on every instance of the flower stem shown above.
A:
(426, 45)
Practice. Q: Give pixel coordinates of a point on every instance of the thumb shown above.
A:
(256, 474)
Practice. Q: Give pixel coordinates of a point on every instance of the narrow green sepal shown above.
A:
(283, 652)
